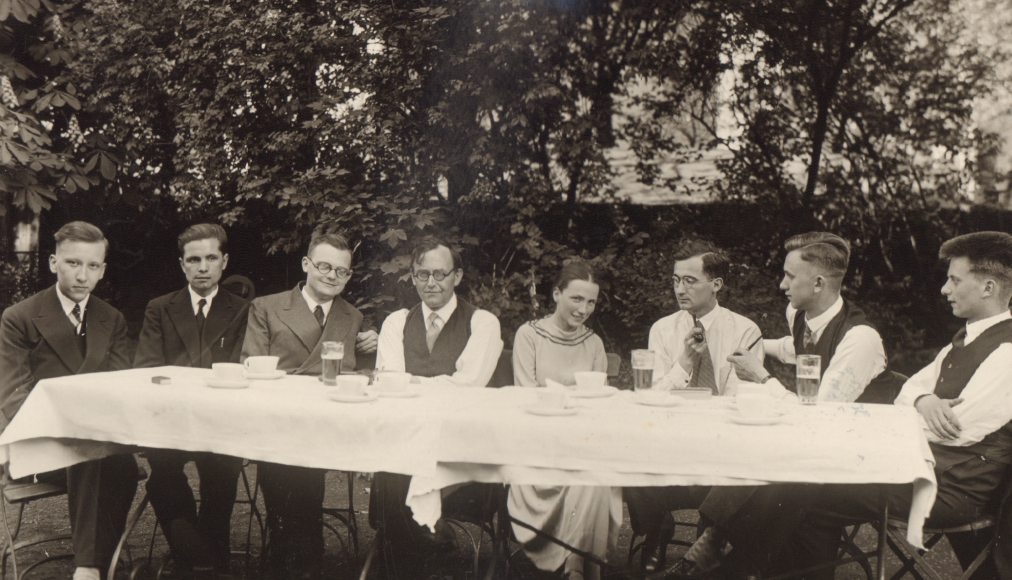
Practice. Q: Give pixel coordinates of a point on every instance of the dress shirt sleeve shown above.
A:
(524, 359)
(987, 399)
(390, 345)
(149, 346)
(921, 383)
(257, 341)
(858, 359)
(478, 360)
(16, 377)
(667, 372)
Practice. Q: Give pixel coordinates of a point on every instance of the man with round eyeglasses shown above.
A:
(293, 325)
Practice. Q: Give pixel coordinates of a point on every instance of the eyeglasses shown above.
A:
(325, 268)
(439, 275)
(687, 281)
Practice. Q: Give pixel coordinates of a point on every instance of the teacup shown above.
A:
(551, 399)
(261, 364)
(755, 406)
(590, 380)
(391, 381)
(352, 385)
(227, 371)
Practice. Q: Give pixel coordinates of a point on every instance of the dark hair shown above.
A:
(321, 236)
(715, 263)
(430, 243)
(989, 253)
(203, 232)
(78, 231)
(575, 269)
(828, 251)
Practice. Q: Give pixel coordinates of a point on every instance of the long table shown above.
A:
(450, 435)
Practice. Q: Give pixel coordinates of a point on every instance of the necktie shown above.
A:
(959, 341)
(435, 325)
(703, 376)
(318, 313)
(200, 313)
(79, 322)
(807, 340)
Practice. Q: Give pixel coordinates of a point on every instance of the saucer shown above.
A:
(668, 401)
(268, 376)
(405, 394)
(550, 411)
(216, 383)
(364, 398)
(597, 393)
(772, 419)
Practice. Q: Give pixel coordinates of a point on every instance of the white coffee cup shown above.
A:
(352, 385)
(590, 380)
(551, 399)
(392, 381)
(261, 364)
(227, 371)
(754, 405)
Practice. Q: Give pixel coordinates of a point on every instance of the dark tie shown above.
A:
(702, 372)
(807, 340)
(435, 325)
(200, 313)
(79, 322)
(318, 313)
(959, 341)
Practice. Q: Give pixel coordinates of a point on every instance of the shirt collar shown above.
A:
(708, 318)
(444, 313)
(195, 298)
(819, 322)
(313, 303)
(67, 304)
(974, 329)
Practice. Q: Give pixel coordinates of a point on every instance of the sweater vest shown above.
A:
(449, 344)
(958, 367)
(883, 388)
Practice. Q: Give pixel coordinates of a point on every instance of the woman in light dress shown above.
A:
(554, 348)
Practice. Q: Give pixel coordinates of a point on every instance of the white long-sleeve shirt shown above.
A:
(987, 397)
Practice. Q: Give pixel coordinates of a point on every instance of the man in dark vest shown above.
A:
(65, 330)
(196, 326)
(853, 364)
(965, 399)
(292, 325)
(443, 340)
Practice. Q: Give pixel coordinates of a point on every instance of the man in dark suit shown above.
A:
(292, 325)
(64, 330)
(196, 326)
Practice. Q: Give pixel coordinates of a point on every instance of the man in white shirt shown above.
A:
(446, 340)
(691, 349)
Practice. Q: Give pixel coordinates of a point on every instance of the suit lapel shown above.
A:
(301, 321)
(98, 335)
(333, 329)
(181, 313)
(223, 309)
(54, 326)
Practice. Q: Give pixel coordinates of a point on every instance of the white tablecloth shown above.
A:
(451, 435)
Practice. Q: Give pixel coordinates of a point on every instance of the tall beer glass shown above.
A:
(332, 353)
(643, 369)
(808, 367)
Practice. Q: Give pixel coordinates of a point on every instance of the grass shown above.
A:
(340, 563)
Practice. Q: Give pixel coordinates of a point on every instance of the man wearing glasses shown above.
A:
(292, 325)
(443, 339)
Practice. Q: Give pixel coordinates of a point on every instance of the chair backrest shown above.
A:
(503, 374)
(614, 363)
(884, 388)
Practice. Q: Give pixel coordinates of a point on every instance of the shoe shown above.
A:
(654, 558)
(684, 570)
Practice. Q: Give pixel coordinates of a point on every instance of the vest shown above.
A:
(883, 388)
(449, 344)
(958, 368)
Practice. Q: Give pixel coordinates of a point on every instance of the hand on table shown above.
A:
(366, 341)
(747, 367)
(939, 416)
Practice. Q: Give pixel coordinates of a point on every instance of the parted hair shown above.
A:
(989, 254)
(429, 243)
(325, 236)
(79, 231)
(715, 263)
(203, 232)
(829, 252)
(575, 269)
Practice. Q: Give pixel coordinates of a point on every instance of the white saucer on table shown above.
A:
(216, 383)
(658, 401)
(342, 398)
(550, 411)
(771, 419)
(268, 376)
(598, 393)
(404, 394)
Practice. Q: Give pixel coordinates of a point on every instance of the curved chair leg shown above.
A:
(132, 520)
(369, 560)
(475, 544)
(11, 536)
